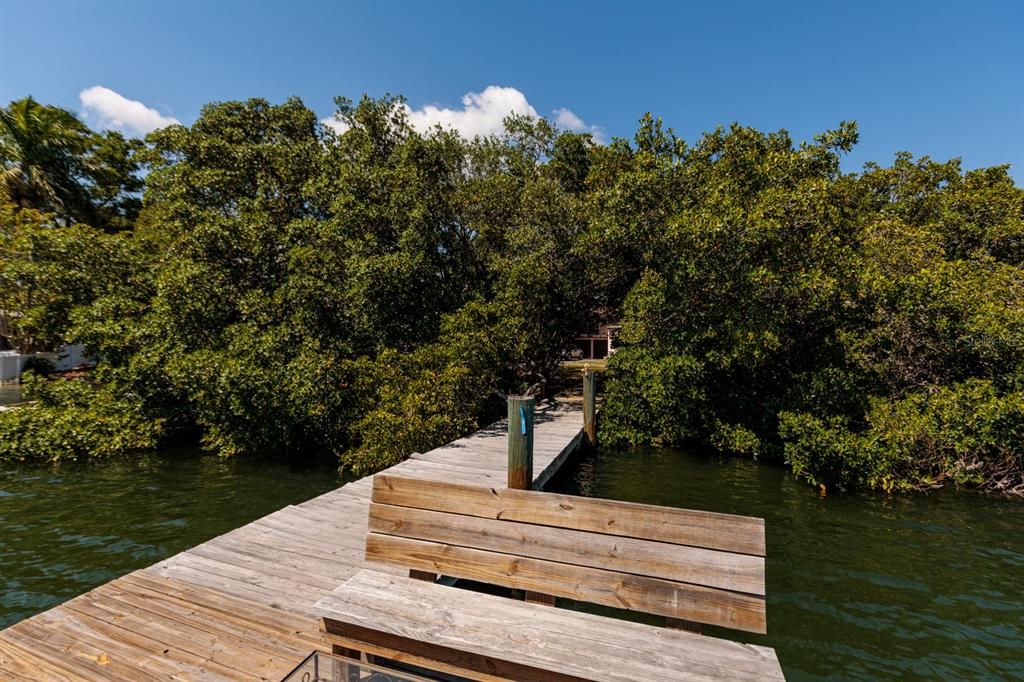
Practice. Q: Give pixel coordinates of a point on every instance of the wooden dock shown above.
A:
(239, 607)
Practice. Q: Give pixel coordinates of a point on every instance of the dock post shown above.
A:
(520, 442)
(520, 461)
(590, 406)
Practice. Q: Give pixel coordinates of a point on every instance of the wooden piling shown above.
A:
(520, 460)
(590, 407)
(520, 442)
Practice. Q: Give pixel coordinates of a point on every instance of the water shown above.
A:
(860, 587)
(67, 529)
(10, 394)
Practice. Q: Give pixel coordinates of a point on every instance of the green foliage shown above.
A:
(71, 419)
(52, 162)
(868, 330)
(739, 274)
(440, 392)
(651, 398)
(365, 294)
(570, 161)
(37, 365)
(48, 270)
(377, 291)
(968, 433)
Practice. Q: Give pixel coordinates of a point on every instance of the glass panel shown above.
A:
(321, 667)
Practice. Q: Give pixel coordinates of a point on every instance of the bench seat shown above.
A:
(486, 637)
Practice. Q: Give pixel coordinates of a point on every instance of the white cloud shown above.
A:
(567, 119)
(482, 113)
(110, 110)
(570, 121)
(335, 123)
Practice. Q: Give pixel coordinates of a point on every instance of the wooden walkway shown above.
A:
(239, 607)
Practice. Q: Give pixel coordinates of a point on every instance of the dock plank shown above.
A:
(568, 581)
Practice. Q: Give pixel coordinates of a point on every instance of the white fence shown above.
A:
(12, 362)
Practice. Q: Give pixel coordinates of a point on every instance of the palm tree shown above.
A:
(41, 151)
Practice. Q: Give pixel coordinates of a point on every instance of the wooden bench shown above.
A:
(688, 566)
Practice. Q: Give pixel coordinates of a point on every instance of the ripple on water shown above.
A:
(886, 580)
(71, 528)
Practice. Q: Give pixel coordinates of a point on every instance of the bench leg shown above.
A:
(680, 624)
(423, 575)
(354, 655)
(540, 598)
(345, 652)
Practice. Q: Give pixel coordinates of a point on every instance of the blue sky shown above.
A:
(941, 79)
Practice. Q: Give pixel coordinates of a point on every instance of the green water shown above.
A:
(859, 587)
(10, 394)
(67, 529)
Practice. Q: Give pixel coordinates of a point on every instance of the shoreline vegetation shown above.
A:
(261, 282)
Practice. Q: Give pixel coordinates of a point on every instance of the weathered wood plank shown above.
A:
(245, 623)
(254, 565)
(726, 532)
(87, 650)
(471, 462)
(24, 664)
(545, 638)
(154, 647)
(257, 616)
(287, 588)
(725, 570)
(227, 644)
(448, 472)
(608, 588)
(233, 586)
(334, 562)
(592, 630)
(551, 467)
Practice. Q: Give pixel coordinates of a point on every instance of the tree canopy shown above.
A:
(371, 293)
(52, 162)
